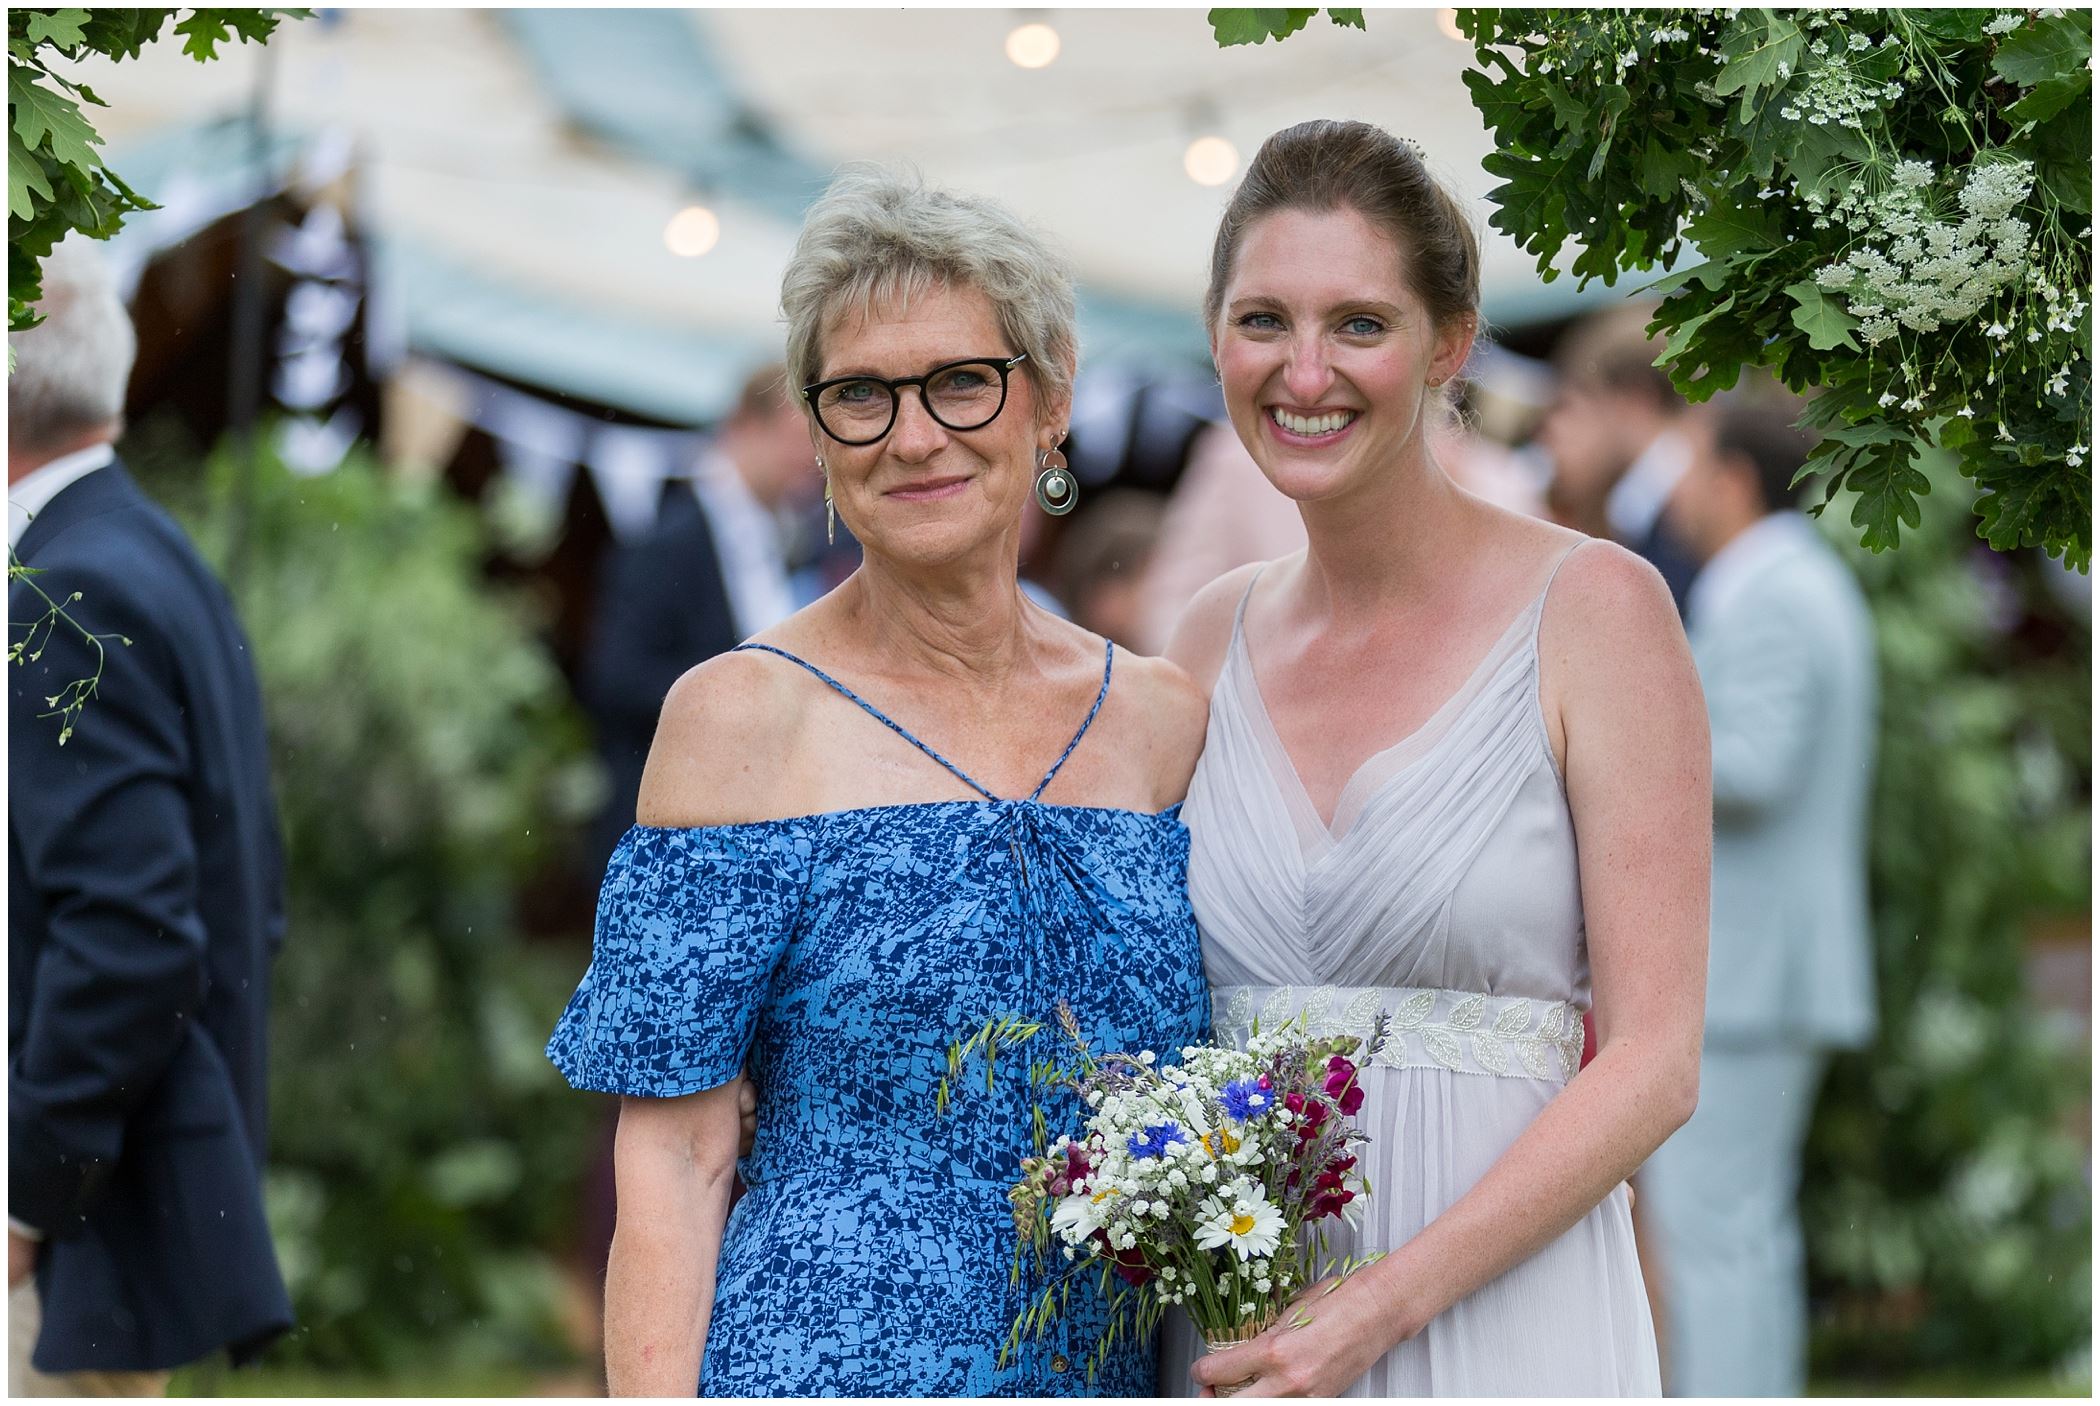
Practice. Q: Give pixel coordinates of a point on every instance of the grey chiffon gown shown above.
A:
(1445, 892)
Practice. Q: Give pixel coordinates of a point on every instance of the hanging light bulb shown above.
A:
(1447, 21)
(1210, 160)
(1033, 45)
(692, 232)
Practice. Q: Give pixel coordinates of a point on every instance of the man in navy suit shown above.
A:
(712, 572)
(145, 900)
(1615, 434)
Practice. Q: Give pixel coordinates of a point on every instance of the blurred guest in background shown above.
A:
(1785, 650)
(713, 572)
(1224, 513)
(1102, 562)
(145, 900)
(1613, 435)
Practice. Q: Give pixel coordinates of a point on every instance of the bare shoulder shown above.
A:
(1204, 630)
(723, 742)
(1160, 719)
(1166, 692)
(1605, 597)
(1616, 671)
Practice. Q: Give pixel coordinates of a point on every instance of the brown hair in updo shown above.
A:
(1326, 165)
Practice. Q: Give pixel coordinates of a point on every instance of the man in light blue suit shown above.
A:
(1785, 651)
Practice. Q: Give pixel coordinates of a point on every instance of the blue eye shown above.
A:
(1363, 326)
(1260, 321)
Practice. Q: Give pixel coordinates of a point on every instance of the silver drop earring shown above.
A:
(831, 513)
(1055, 487)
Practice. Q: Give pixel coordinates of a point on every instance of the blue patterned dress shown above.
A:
(841, 954)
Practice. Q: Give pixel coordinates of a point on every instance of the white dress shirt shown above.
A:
(748, 542)
(1637, 499)
(40, 485)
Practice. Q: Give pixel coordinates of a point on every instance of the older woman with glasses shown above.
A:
(918, 805)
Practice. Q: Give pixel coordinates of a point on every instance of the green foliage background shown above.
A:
(1630, 134)
(1945, 1191)
(425, 1158)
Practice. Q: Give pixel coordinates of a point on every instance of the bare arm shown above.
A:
(1638, 779)
(673, 1162)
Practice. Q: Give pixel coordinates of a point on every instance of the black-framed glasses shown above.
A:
(959, 395)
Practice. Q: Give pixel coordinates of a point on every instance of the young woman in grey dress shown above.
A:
(1457, 768)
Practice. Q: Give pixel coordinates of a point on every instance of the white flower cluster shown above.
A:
(1915, 269)
(1833, 89)
(2006, 23)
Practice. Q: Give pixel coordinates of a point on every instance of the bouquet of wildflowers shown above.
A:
(1208, 1184)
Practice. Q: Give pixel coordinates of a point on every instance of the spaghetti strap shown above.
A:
(876, 713)
(1539, 606)
(1108, 669)
(1239, 615)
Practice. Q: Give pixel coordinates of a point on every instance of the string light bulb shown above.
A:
(1447, 21)
(1033, 45)
(1211, 160)
(692, 232)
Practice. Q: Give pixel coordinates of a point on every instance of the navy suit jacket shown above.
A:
(662, 607)
(145, 903)
(1671, 559)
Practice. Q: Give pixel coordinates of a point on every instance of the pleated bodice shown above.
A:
(1450, 862)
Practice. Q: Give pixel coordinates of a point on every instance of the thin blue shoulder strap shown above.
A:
(876, 713)
(1108, 669)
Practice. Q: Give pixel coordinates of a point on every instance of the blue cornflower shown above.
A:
(1246, 1098)
(1156, 1139)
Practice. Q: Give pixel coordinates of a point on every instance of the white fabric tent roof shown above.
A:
(525, 242)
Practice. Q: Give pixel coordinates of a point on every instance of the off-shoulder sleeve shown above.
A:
(691, 924)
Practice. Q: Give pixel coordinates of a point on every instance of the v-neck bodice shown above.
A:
(1449, 861)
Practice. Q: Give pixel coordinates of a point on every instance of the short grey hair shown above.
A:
(877, 236)
(72, 368)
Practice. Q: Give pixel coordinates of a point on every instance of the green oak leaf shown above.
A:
(2049, 97)
(2043, 50)
(25, 175)
(1257, 26)
(1680, 338)
(2022, 509)
(121, 33)
(1530, 208)
(1710, 276)
(1728, 230)
(1867, 432)
(205, 30)
(1963, 26)
(1955, 432)
(46, 119)
(1888, 485)
(1757, 46)
(1348, 19)
(1822, 317)
(1502, 106)
(1662, 167)
(58, 28)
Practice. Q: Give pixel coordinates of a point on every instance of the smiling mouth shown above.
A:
(930, 488)
(1312, 426)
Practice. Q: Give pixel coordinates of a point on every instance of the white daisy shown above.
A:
(1247, 1223)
